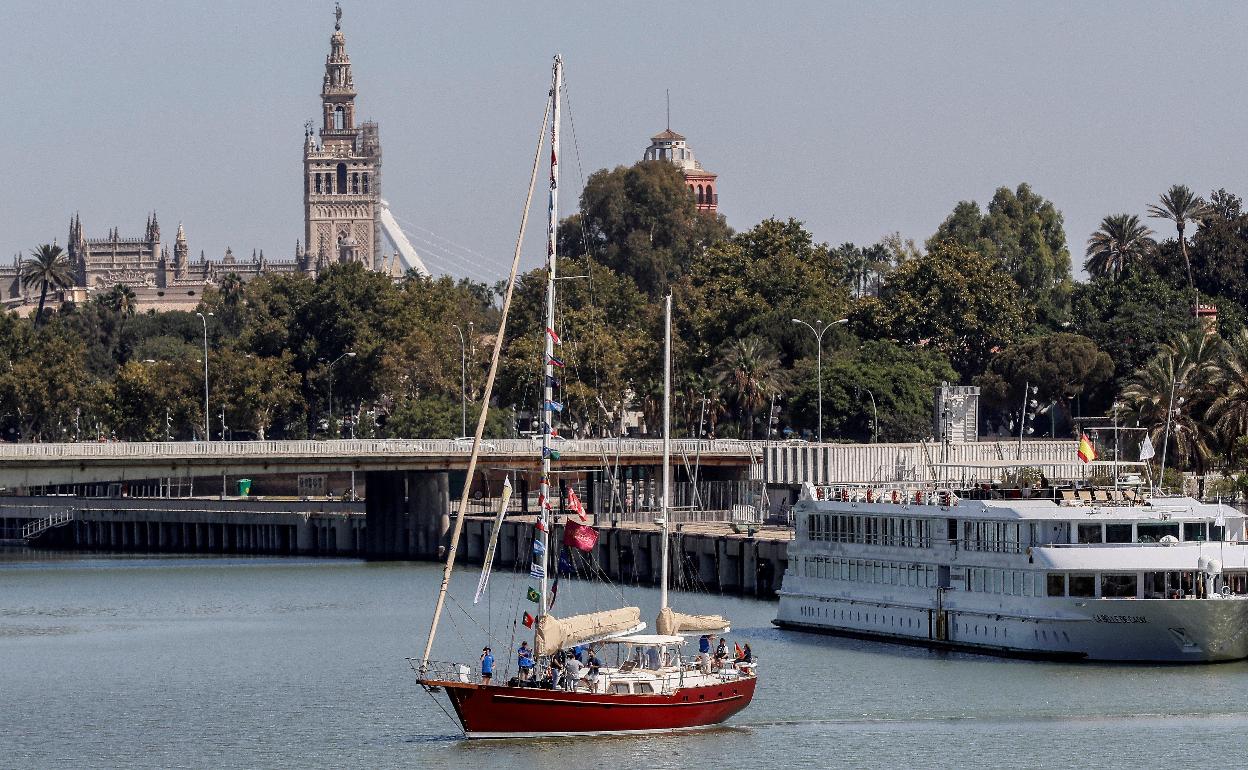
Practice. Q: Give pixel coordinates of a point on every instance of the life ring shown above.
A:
(1226, 591)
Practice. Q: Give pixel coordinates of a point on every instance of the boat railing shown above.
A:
(1209, 543)
(444, 671)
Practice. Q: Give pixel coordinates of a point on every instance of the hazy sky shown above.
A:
(858, 118)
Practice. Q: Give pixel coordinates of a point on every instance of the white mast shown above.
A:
(548, 367)
(667, 447)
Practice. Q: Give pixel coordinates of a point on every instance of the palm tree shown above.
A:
(1187, 368)
(1180, 205)
(48, 269)
(1228, 412)
(1121, 241)
(121, 300)
(751, 374)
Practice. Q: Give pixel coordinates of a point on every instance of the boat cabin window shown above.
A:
(1155, 585)
(645, 688)
(1118, 586)
(1090, 533)
(620, 688)
(1153, 533)
(951, 530)
(1197, 531)
(1056, 584)
(1083, 585)
(1117, 533)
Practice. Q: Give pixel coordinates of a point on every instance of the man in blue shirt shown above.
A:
(487, 665)
(524, 660)
(704, 653)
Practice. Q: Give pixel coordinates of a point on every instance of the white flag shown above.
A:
(488, 562)
(1146, 448)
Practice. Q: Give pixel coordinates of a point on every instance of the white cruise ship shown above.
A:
(1105, 575)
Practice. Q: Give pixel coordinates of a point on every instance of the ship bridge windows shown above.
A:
(1117, 533)
(1119, 586)
(1090, 533)
(1154, 532)
(895, 531)
(992, 536)
(1197, 531)
(1082, 585)
(1055, 584)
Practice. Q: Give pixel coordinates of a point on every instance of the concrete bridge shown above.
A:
(33, 465)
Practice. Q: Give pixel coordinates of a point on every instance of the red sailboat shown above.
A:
(647, 682)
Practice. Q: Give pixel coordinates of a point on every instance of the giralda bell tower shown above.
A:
(341, 173)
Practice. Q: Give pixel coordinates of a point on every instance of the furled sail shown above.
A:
(556, 633)
(672, 623)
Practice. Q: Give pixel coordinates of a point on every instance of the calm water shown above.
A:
(181, 662)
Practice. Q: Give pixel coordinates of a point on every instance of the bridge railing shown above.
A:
(368, 447)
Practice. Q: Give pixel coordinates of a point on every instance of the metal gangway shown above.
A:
(34, 529)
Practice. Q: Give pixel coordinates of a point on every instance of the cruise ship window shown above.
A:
(1118, 586)
(1117, 533)
(1028, 581)
(1089, 533)
(1154, 585)
(998, 581)
(1083, 585)
(1056, 584)
(951, 530)
(1196, 531)
(1152, 533)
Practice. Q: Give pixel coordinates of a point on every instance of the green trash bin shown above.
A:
(244, 487)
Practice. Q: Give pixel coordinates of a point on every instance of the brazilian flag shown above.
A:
(534, 596)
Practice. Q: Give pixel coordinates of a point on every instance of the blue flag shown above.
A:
(538, 549)
(554, 406)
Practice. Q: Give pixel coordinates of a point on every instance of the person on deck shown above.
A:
(704, 653)
(746, 656)
(524, 660)
(721, 652)
(572, 672)
(579, 653)
(594, 666)
(652, 657)
(558, 663)
(487, 666)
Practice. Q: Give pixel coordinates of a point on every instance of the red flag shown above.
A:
(740, 652)
(552, 334)
(528, 620)
(574, 503)
(579, 536)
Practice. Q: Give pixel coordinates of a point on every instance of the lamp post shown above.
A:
(463, 379)
(207, 430)
(875, 430)
(819, 332)
(1165, 442)
(329, 370)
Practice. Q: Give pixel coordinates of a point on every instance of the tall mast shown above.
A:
(667, 446)
(548, 367)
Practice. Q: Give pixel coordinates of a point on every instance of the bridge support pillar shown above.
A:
(407, 514)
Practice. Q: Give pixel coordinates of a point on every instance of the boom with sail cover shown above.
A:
(673, 623)
(554, 634)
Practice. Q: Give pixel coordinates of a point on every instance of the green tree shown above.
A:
(641, 221)
(750, 374)
(902, 381)
(1026, 233)
(953, 299)
(48, 268)
(1180, 205)
(1062, 366)
(1227, 415)
(1121, 241)
(1186, 367)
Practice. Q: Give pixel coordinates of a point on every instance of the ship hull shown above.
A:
(518, 712)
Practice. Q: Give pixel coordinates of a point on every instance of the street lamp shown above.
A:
(329, 370)
(463, 379)
(207, 430)
(875, 430)
(1171, 412)
(819, 332)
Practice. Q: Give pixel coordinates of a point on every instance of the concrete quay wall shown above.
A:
(704, 556)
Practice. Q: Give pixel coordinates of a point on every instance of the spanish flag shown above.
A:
(1086, 452)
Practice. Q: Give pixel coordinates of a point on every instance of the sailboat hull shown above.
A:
(516, 712)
